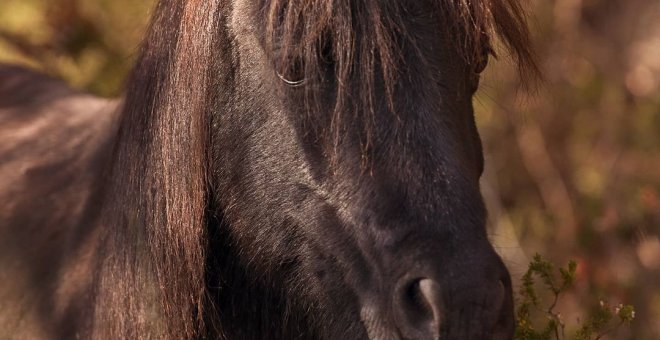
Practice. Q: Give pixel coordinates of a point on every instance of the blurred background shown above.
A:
(573, 162)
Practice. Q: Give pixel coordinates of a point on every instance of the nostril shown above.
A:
(419, 309)
(416, 299)
(430, 292)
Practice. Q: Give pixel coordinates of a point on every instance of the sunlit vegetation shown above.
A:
(537, 319)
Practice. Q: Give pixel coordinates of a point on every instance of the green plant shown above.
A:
(603, 320)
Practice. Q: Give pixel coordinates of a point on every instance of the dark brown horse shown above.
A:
(277, 169)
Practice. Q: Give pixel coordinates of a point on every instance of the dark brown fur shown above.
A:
(145, 240)
(55, 145)
(363, 40)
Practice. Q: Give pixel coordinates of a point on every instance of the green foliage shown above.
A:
(603, 320)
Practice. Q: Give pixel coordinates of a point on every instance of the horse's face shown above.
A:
(368, 219)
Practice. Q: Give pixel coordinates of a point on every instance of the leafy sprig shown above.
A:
(605, 318)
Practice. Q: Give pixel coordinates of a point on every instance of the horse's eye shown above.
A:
(299, 69)
(292, 72)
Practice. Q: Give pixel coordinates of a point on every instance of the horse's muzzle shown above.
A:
(470, 301)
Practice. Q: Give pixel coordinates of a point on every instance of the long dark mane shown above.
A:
(155, 242)
(152, 281)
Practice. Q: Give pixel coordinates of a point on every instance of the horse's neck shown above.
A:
(54, 145)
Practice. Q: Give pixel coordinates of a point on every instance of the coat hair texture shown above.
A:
(162, 230)
(363, 40)
(161, 159)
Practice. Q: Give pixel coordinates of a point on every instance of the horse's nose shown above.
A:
(418, 308)
(480, 308)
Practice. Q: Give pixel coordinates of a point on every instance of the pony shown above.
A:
(277, 169)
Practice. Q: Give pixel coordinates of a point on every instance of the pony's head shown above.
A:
(310, 168)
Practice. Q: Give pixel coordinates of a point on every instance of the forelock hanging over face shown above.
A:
(360, 41)
(368, 31)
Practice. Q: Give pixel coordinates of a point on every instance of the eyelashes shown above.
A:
(298, 69)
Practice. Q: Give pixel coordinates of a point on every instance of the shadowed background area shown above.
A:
(573, 165)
